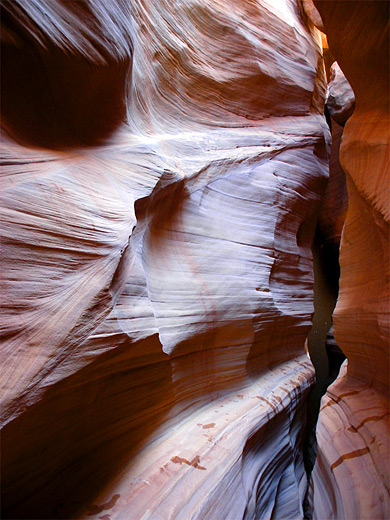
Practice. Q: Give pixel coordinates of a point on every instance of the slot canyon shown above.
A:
(195, 259)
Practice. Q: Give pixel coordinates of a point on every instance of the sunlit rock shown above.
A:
(163, 166)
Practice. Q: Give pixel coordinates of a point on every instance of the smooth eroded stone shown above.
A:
(353, 453)
(157, 267)
(351, 477)
(340, 98)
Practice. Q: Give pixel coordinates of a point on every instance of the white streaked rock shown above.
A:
(155, 277)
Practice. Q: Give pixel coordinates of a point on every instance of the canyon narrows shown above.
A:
(351, 478)
(163, 170)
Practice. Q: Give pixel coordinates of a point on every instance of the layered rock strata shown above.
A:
(156, 258)
(351, 477)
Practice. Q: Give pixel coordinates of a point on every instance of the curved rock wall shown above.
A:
(163, 169)
(351, 477)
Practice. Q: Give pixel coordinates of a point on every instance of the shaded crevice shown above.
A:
(325, 354)
(54, 98)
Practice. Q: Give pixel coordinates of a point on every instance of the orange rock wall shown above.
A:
(163, 166)
(351, 478)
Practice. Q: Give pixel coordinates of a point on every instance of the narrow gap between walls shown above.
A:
(324, 353)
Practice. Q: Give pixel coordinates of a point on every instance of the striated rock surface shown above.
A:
(351, 478)
(351, 475)
(162, 170)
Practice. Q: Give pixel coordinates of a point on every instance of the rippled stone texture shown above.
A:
(157, 264)
(351, 478)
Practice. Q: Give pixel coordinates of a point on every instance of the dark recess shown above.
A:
(53, 99)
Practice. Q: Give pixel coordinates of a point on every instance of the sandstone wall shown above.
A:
(351, 478)
(163, 165)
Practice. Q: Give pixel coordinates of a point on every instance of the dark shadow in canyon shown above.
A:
(53, 99)
(62, 451)
(325, 354)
